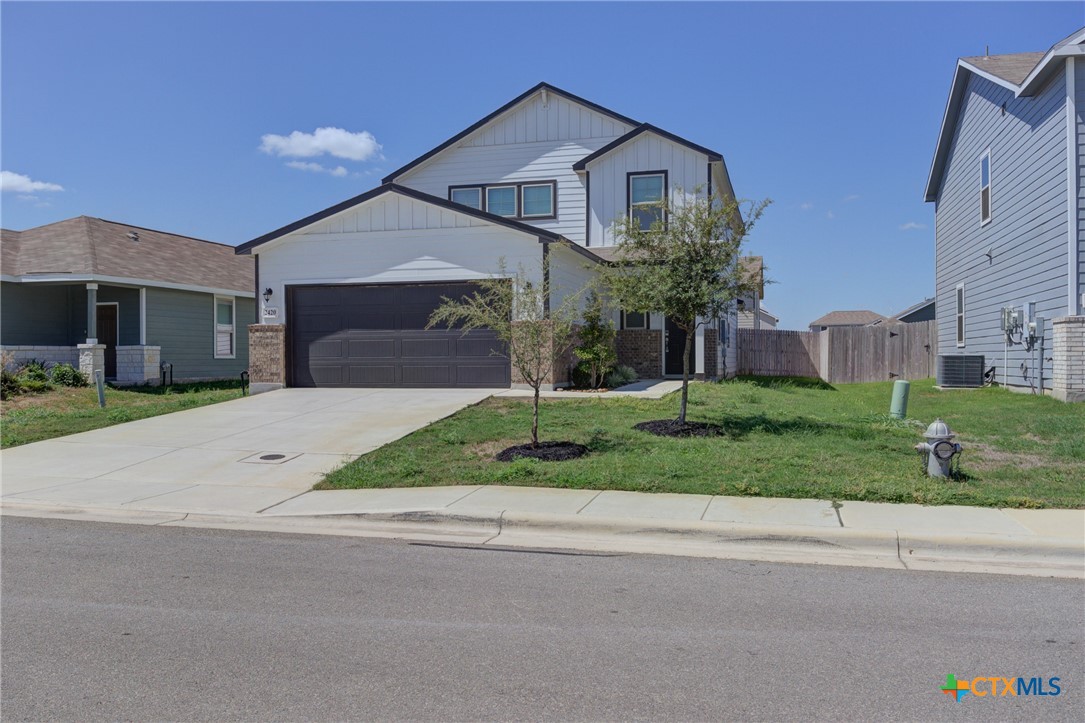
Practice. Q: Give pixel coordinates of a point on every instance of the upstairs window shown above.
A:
(467, 196)
(224, 327)
(646, 193)
(985, 188)
(537, 200)
(501, 200)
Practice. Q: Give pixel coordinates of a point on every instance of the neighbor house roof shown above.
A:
(860, 317)
(912, 309)
(1022, 73)
(95, 249)
(508, 106)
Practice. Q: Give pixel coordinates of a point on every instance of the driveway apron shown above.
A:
(241, 456)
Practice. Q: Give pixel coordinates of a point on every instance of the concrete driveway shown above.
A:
(241, 456)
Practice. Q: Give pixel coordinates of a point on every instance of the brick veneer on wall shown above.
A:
(641, 349)
(1068, 357)
(267, 353)
(711, 353)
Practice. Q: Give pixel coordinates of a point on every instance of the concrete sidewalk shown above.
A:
(963, 539)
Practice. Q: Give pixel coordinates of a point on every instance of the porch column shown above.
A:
(92, 313)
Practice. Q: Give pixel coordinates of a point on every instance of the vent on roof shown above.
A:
(958, 370)
(133, 235)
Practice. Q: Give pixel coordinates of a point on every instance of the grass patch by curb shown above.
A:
(781, 438)
(63, 411)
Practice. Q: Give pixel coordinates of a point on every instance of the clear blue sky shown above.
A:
(153, 114)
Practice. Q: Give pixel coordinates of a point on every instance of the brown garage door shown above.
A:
(376, 336)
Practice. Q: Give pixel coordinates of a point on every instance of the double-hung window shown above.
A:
(985, 188)
(225, 332)
(646, 194)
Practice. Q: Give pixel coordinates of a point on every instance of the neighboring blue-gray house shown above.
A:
(104, 295)
(1007, 183)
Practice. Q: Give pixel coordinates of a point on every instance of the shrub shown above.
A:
(68, 376)
(34, 371)
(596, 348)
(36, 385)
(620, 376)
(9, 384)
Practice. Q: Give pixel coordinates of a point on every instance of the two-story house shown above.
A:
(347, 291)
(1008, 186)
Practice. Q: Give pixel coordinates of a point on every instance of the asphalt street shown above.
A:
(132, 622)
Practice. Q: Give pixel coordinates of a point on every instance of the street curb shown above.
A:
(885, 548)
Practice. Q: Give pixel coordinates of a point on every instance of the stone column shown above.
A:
(91, 359)
(92, 315)
(1068, 359)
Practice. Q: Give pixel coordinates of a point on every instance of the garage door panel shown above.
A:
(372, 375)
(427, 375)
(375, 336)
(372, 348)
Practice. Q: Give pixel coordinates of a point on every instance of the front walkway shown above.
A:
(240, 456)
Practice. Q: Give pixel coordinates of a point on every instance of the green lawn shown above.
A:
(29, 418)
(786, 438)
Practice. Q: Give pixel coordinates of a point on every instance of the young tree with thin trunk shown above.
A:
(517, 309)
(685, 265)
(595, 347)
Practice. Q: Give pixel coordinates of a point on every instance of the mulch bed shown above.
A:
(546, 451)
(672, 428)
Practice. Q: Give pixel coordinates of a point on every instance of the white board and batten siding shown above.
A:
(393, 239)
(1027, 234)
(686, 170)
(570, 274)
(531, 142)
(1079, 113)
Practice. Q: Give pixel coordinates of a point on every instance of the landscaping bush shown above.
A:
(34, 371)
(620, 376)
(596, 348)
(581, 376)
(68, 376)
(9, 384)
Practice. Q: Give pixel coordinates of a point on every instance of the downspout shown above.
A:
(256, 299)
(546, 277)
(1073, 305)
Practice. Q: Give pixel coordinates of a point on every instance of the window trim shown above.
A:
(553, 186)
(959, 318)
(988, 188)
(629, 190)
(481, 195)
(215, 325)
(519, 186)
(647, 320)
(515, 198)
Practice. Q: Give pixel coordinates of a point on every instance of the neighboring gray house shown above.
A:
(1007, 183)
(156, 297)
(761, 319)
(923, 311)
(539, 183)
(860, 317)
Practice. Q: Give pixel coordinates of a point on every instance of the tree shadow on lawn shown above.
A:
(783, 383)
(740, 426)
(180, 388)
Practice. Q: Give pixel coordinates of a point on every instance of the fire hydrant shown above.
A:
(939, 449)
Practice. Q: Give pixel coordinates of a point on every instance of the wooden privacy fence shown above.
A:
(843, 354)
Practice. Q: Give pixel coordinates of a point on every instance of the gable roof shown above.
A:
(1022, 73)
(912, 309)
(391, 177)
(644, 128)
(540, 233)
(859, 317)
(87, 246)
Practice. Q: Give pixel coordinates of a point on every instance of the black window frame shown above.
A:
(519, 186)
(629, 191)
(647, 320)
(481, 195)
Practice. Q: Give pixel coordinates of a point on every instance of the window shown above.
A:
(534, 200)
(725, 331)
(467, 196)
(224, 327)
(537, 200)
(501, 200)
(646, 193)
(985, 188)
(960, 314)
(634, 320)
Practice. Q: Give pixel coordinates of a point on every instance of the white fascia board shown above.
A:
(1070, 48)
(956, 89)
(123, 281)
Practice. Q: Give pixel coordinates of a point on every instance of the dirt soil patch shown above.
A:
(546, 451)
(674, 428)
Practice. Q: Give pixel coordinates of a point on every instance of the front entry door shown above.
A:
(107, 334)
(674, 345)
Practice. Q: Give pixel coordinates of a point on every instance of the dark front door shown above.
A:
(376, 336)
(673, 346)
(107, 334)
